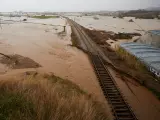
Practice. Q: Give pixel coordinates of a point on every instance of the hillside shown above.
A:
(142, 14)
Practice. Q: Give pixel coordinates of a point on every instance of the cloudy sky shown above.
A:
(74, 5)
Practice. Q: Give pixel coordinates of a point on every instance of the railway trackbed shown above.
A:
(120, 108)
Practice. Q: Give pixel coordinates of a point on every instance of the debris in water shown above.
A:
(96, 18)
(130, 20)
(62, 34)
(46, 30)
(24, 19)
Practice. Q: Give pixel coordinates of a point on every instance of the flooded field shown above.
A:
(45, 42)
(117, 24)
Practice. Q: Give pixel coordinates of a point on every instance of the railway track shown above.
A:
(120, 108)
(85, 40)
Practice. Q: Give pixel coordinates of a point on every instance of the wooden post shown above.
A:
(64, 28)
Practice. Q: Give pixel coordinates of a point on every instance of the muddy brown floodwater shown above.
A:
(49, 47)
(144, 104)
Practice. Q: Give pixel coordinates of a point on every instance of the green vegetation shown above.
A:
(14, 106)
(121, 16)
(47, 97)
(74, 42)
(44, 17)
(131, 60)
(141, 14)
(144, 17)
(95, 18)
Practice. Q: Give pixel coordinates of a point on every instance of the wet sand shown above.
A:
(42, 43)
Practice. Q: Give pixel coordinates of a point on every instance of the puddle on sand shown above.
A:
(50, 51)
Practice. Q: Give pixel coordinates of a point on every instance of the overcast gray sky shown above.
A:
(74, 5)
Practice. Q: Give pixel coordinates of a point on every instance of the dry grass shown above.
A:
(47, 97)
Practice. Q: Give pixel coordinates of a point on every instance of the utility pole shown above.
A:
(64, 28)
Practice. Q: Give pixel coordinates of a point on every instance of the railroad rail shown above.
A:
(85, 40)
(120, 108)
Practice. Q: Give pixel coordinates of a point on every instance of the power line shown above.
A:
(140, 26)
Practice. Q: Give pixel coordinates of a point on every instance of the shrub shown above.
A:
(44, 17)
